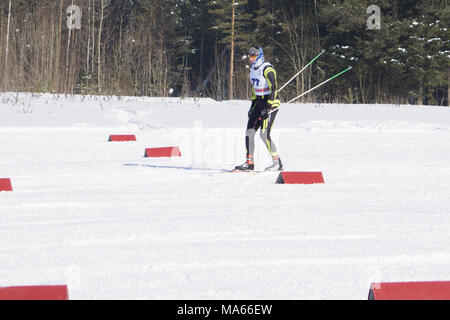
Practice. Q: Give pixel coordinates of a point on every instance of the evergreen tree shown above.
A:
(232, 25)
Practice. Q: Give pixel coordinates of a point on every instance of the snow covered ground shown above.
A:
(111, 224)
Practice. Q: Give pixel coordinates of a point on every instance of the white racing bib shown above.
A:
(258, 80)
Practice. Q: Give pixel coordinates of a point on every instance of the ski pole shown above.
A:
(309, 63)
(320, 84)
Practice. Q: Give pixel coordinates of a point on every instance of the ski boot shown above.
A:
(249, 165)
(277, 165)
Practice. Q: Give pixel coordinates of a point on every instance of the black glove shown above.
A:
(264, 114)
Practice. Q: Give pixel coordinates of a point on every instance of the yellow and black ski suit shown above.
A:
(257, 115)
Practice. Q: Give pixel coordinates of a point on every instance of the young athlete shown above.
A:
(264, 99)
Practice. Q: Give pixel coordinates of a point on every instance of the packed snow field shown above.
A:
(112, 224)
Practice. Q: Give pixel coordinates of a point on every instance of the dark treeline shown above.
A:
(148, 47)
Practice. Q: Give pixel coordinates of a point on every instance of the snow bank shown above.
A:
(112, 224)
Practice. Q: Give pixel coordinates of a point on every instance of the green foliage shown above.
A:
(403, 61)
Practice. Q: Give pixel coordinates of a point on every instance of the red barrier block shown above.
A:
(122, 137)
(60, 292)
(5, 184)
(428, 290)
(163, 152)
(300, 177)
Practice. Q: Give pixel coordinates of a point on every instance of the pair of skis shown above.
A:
(254, 172)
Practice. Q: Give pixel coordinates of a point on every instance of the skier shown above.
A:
(264, 99)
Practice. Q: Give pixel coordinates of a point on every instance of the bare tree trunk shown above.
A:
(350, 95)
(58, 48)
(51, 54)
(218, 74)
(448, 87)
(202, 40)
(1, 33)
(420, 95)
(165, 75)
(99, 60)
(186, 80)
(93, 37)
(230, 85)
(89, 38)
(361, 86)
(67, 59)
(6, 74)
(120, 32)
(160, 62)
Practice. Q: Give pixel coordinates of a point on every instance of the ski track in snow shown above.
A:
(111, 224)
